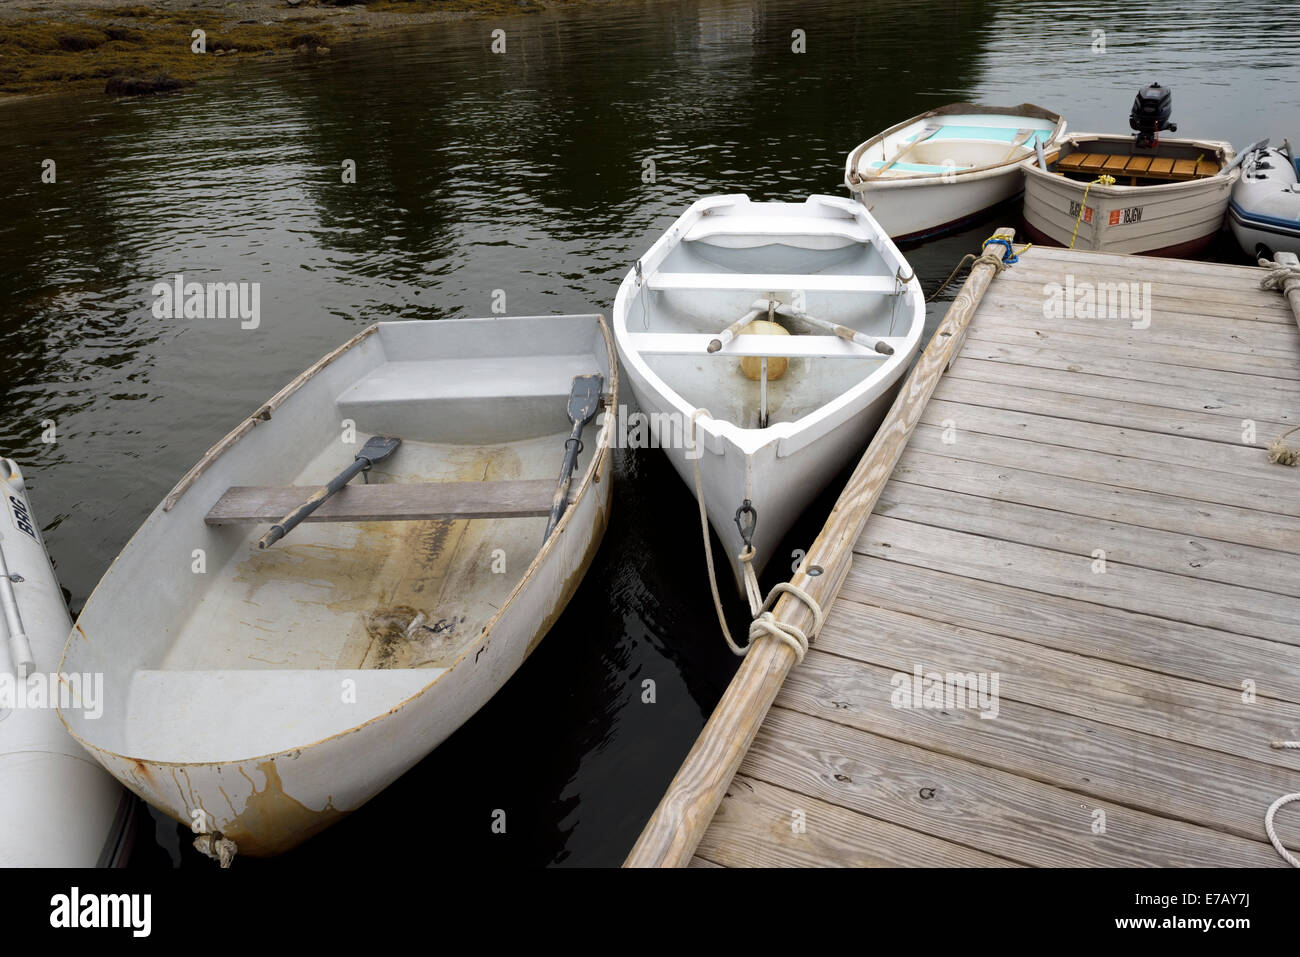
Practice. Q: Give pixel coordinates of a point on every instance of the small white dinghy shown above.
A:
(786, 410)
(259, 694)
(943, 169)
(1264, 211)
(58, 806)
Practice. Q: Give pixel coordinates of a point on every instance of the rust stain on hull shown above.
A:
(272, 822)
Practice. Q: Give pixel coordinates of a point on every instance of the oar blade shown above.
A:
(584, 397)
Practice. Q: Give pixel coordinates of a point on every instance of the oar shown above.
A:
(1042, 160)
(844, 332)
(376, 449)
(584, 400)
(1019, 141)
(1257, 145)
(733, 330)
(924, 135)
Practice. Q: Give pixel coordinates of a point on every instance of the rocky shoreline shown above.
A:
(113, 47)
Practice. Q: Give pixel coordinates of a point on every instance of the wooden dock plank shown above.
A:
(977, 806)
(1193, 556)
(753, 827)
(1080, 496)
(1230, 607)
(1083, 340)
(1086, 686)
(1167, 778)
(1093, 363)
(1208, 453)
(1221, 658)
(1263, 495)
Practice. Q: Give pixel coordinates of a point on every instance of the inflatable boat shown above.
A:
(1264, 211)
(59, 807)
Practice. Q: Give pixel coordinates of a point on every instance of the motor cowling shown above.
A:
(1152, 108)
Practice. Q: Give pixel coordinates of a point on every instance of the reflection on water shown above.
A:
(523, 173)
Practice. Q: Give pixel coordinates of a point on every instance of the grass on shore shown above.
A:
(134, 42)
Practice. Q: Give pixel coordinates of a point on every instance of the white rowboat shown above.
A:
(1167, 201)
(943, 169)
(728, 260)
(257, 695)
(58, 806)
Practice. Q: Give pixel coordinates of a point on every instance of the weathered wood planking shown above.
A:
(1149, 691)
(418, 501)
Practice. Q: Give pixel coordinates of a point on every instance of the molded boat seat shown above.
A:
(997, 134)
(233, 714)
(767, 282)
(487, 399)
(712, 227)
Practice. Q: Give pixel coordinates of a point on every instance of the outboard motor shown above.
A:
(1151, 111)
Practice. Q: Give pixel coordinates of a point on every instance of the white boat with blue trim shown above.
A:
(1264, 211)
(948, 167)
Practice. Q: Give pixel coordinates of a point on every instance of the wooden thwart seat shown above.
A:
(1145, 167)
(416, 502)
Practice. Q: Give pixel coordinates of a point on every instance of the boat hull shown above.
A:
(60, 809)
(910, 211)
(779, 487)
(1264, 213)
(1169, 219)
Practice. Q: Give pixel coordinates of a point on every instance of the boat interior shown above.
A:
(726, 268)
(388, 603)
(954, 143)
(1086, 158)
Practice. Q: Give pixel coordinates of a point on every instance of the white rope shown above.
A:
(1278, 275)
(764, 622)
(220, 849)
(1285, 799)
(696, 454)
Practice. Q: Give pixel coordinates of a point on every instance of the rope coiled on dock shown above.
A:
(1285, 799)
(764, 623)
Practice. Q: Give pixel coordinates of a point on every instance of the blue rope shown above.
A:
(1010, 258)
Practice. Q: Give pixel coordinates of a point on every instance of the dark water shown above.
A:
(520, 172)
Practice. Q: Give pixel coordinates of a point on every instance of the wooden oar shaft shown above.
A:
(733, 330)
(844, 332)
(684, 813)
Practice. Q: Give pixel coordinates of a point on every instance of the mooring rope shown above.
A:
(764, 623)
(1280, 277)
(1104, 180)
(993, 259)
(220, 849)
(1285, 799)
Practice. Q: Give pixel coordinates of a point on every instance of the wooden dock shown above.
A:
(1084, 510)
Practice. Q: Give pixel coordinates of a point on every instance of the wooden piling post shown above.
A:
(679, 822)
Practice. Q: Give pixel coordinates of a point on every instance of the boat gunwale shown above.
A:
(589, 478)
(750, 441)
(974, 174)
(1224, 148)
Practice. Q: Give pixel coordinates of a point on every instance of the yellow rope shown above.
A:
(1104, 180)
